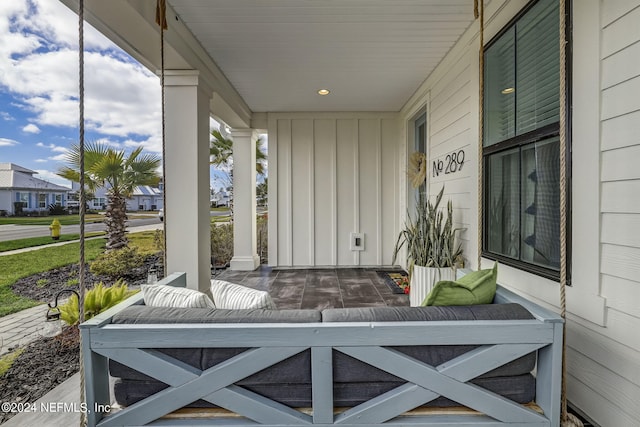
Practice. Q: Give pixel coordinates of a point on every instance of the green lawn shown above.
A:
(11, 245)
(46, 220)
(14, 267)
(225, 218)
(144, 241)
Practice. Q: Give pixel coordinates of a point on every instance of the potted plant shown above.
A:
(432, 250)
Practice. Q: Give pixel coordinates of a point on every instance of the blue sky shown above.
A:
(39, 89)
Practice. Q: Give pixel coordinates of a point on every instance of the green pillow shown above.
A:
(477, 287)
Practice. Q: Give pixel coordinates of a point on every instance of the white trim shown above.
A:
(244, 263)
(312, 196)
(356, 187)
(273, 201)
(334, 199)
(379, 194)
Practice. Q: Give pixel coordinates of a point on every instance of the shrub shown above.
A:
(263, 238)
(96, 300)
(158, 240)
(57, 210)
(221, 243)
(117, 263)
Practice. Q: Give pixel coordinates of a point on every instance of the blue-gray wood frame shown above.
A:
(500, 342)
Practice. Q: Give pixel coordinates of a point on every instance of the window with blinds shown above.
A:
(521, 145)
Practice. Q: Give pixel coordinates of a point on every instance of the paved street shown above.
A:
(14, 232)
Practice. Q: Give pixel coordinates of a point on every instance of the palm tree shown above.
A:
(106, 167)
(221, 152)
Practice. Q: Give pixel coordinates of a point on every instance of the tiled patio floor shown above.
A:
(319, 288)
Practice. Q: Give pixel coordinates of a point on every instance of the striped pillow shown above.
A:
(169, 296)
(231, 296)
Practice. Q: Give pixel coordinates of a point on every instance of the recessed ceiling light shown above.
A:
(508, 90)
(323, 92)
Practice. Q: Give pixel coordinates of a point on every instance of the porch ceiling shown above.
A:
(371, 54)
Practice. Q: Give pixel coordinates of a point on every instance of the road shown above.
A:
(14, 232)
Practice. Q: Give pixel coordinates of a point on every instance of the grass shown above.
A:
(7, 360)
(11, 245)
(144, 241)
(14, 267)
(225, 218)
(46, 220)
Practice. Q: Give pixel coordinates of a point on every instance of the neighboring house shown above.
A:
(404, 76)
(144, 198)
(220, 198)
(21, 190)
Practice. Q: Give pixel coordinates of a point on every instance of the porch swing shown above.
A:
(160, 20)
(273, 342)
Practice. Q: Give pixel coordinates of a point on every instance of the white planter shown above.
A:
(423, 279)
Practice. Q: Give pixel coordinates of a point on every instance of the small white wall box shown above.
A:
(356, 241)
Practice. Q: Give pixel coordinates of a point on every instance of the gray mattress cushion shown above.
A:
(520, 389)
(431, 314)
(347, 369)
(289, 381)
(141, 314)
(296, 369)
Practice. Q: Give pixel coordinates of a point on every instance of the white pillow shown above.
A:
(169, 296)
(231, 296)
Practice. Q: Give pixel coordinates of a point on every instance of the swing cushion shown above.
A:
(237, 297)
(170, 296)
(477, 287)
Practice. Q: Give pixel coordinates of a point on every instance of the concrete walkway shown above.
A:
(58, 408)
(19, 329)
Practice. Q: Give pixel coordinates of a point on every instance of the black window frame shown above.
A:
(519, 141)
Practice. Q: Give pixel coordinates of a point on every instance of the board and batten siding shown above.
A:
(603, 355)
(333, 174)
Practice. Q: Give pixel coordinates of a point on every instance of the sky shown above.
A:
(39, 90)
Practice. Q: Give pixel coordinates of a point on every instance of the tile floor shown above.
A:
(319, 288)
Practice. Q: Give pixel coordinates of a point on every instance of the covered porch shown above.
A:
(403, 77)
(337, 163)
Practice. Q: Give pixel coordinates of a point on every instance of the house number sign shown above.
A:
(451, 163)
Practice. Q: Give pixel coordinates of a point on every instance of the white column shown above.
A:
(245, 256)
(187, 218)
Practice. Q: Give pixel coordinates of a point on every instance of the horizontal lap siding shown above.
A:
(449, 128)
(336, 174)
(605, 363)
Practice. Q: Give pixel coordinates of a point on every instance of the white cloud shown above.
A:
(5, 142)
(41, 160)
(6, 116)
(31, 128)
(58, 158)
(39, 63)
(50, 176)
(109, 143)
(53, 147)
